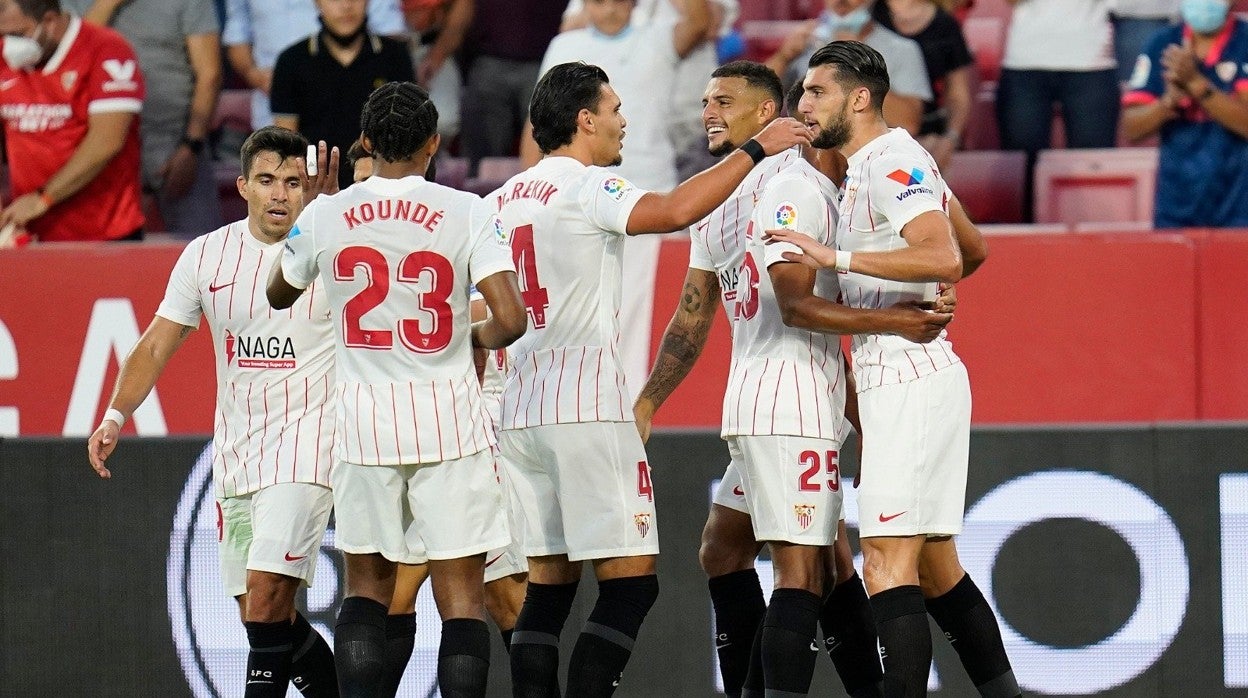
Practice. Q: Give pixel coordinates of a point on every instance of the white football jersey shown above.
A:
(890, 182)
(566, 224)
(717, 242)
(396, 258)
(274, 420)
(784, 380)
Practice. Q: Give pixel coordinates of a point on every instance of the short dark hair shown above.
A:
(793, 97)
(559, 96)
(857, 65)
(356, 152)
(38, 8)
(756, 75)
(398, 119)
(283, 141)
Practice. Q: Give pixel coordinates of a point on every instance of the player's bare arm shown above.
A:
(694, 199)
(690, 31)
(106, 134)
(135, 380)
(932, 253)
(794, 285)
(681, 346)
(478, 311)
(508, 320)
(280, 292)
(970, 241)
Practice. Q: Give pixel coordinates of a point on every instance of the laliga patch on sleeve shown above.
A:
(500, 232)
(616, 187)
(786, 214)
(1139, 74)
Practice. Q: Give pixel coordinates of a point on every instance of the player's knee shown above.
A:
(726, 548)
(270, 597)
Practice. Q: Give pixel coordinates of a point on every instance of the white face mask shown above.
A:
(22, 51)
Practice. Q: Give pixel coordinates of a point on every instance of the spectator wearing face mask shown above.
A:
(70, 95)
(851, 20)
(1190, 86)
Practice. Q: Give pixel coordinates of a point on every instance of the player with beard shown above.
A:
(895, 242)
(741, 99)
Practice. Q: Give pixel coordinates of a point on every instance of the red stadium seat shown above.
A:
(991, 8)
(989, 183)
(233, 111)
(1091, 186)
(985, 36)
(451, 172)
(764, 37)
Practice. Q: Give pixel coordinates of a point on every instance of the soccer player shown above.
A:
(573, 450)
(895, 242)
(274, 420)
(396, 255)
(741, 98)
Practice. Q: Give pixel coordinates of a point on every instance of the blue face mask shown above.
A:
(1205, 16)
(851, 23)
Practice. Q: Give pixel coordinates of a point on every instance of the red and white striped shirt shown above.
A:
(891, 181)
(717, 242)
(396, 258)
(566, 224)
(784, 380)
(275, 369)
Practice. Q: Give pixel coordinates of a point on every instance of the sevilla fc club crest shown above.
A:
(805, 515)
(642, 522)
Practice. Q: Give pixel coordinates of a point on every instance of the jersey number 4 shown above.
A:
(434, 278)
(524, 255)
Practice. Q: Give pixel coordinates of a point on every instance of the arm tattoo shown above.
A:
(691, 299)
(680, 349)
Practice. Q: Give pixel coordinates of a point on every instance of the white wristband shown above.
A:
(842, 260)
(116, 416)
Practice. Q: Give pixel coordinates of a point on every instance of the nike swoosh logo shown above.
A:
(886, 519)
(496, 559)
(214, 289)
(738, 491)
(289, 558)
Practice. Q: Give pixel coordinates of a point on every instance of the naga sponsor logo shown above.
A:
(259, 351)
(728, 282)
(36, 118)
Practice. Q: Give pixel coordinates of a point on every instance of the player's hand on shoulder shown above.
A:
(813, 253)
(100, 446)
(917, 324)
(782, 134)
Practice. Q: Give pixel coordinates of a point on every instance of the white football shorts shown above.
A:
(276, 529)
(413, 513)
(585, 489)
(915, 446)
(792, 486)
(510, 559)
(729, 493)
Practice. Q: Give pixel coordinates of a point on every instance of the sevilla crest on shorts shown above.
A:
(642, 522)
(805, 514)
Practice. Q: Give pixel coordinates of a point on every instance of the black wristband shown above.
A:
(754, 149)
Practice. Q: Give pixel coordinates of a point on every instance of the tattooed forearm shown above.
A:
(691, 299)
(680, 349)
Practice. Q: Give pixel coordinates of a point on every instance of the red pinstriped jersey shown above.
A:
(396, 258)
(891, 181)
(784, 380)
(717, 242)
(274, 421)
(566, 225)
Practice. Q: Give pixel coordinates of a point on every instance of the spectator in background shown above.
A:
(1191, 86)
(257, 30)
(320, 84)
(1058, 52)
(851, 20)
(71, 94)
(504, 50)
(685, 127)
(641, 62)
(948, 62)
(437, 30)
(179, 47)
(1135, 22)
